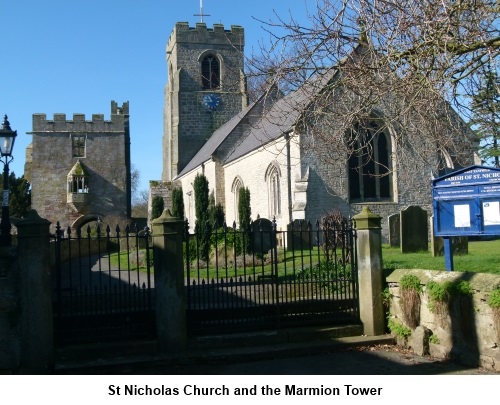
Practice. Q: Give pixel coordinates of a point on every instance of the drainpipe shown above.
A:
(289, 177)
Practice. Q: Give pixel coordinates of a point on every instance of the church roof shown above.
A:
(272, 122)
(280, 118)
(210, 146)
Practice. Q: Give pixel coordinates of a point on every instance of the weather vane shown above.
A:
(201, 15)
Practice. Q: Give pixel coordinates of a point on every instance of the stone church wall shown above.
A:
(411, 173)
(252, 169)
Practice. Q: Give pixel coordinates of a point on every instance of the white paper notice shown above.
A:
(491, 213)
(462, 216)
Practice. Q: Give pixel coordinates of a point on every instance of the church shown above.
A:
(269, 145)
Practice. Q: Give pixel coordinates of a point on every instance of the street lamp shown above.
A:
(7, 138)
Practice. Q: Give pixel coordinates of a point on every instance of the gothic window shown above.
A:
(78, 145)
(273, 178)
(210, 72)
(235, 189)
(78, 179)
(369, 164)
(445, 163)
(78, 184)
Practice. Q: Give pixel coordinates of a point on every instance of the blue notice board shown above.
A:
(467, 202)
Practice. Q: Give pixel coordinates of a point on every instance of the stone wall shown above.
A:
(465, 331)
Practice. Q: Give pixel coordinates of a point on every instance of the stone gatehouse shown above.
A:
(79, 170)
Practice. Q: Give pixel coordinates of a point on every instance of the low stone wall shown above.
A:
(463, 330)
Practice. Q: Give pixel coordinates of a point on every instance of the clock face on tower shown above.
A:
(211, 101)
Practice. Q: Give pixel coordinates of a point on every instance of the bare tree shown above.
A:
(409, 66)
(140, 205)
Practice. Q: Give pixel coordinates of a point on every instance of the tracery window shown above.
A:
(210, 72)
(273, 179)
(370, 163)
(235, 189)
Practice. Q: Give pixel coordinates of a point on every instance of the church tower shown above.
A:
(206, 87)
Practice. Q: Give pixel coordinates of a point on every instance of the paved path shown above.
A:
(378, 359)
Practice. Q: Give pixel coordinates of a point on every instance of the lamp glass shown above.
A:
(7, 144)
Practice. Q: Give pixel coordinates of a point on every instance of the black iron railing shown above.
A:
(103, 284)
(261, 277)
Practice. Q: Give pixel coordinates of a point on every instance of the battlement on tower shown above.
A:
(200, 33)
(117, 123)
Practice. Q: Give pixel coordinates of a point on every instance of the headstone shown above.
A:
(414, 230)
(394, 230)
(262, 236)
(299, 235)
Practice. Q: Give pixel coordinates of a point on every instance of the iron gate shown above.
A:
(268, 279)
(103, 285)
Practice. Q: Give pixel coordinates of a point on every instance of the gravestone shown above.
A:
(414, 230)
(262, 236)
(298, 235)
(394, 230)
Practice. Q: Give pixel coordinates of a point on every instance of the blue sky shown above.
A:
(75, 56)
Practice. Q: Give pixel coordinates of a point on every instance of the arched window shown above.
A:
(273, 178)
(235, 189)
(445, 162)
(370, 163)
(210, 72)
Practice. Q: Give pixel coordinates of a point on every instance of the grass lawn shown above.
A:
(483, 257)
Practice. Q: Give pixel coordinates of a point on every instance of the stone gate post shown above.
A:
(37, 332)
(167, 233)
(370, 272)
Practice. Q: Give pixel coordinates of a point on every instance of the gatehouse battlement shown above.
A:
(59, 123)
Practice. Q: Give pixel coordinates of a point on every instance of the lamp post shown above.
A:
(7, 138)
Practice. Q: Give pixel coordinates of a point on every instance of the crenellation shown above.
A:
(218, 28)
(202, 34)
(201, 27)
(61, 125)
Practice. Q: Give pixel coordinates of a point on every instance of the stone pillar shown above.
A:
(9, 310)
(37, 332)
(169, 283)
(370, 272)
